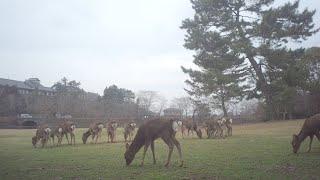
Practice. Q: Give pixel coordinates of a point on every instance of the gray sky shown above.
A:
(136, 45)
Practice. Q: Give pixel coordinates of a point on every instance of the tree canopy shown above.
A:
(248, 36)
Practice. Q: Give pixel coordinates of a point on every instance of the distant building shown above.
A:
(28, 86)
(172, 113)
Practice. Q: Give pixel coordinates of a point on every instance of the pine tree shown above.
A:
(245, 33)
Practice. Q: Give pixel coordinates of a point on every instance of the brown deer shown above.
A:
(42, 133)
(65, 128)
(58, 132)
(94, 131)
(311, 127)
(182, 128)
(111, 130)
(148, 133)
(192, 126)
(211, 128)
(129, 130)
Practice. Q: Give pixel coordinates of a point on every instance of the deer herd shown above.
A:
(164, 129)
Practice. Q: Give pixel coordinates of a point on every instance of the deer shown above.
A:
(94, 131)
(58, 132)
(69, 128)
(311, 128)
(65, 128)
(211, 128)
(220, 126)
(148, 133)
(192, 126)
(42, 133)
(129, 130)
(182, 128)
(111, 131)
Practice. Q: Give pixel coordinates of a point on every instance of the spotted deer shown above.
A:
(95, 130)
(148, 133)
(42, 134)
(311, 128)
(111, 131)
(129, 130)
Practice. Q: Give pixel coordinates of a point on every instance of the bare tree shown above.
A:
(161, 103)
(151, 101)
(183, 103)
(147, 99)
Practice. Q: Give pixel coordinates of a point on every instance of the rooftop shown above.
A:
(31, 84)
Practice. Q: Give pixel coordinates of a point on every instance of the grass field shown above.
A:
(256, 151)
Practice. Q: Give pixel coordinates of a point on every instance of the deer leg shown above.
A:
(67, 138)
(311, 138)
(74, 138)
(92, 137)
(96, 140)
(59, 140)
(152, 149)
(177, 144)
(146, 145)
(98, 136)
(42, 142)
(112, 138)
(170, 145)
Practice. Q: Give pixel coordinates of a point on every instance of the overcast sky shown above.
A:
(136, 45)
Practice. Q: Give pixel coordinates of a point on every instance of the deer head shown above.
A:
(295, 143)
(128, 155)
(34, 141)
(85, 137)
(199, 133)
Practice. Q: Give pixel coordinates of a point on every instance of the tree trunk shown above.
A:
(264, 86)
(224, 109)
(265, 89)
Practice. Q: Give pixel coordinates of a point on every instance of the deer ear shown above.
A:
(127, 146)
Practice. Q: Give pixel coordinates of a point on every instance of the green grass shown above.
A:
(256, 151)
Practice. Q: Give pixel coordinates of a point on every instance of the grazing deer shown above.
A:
(129, 130)
(192, 126)
(148, 133)
(311, 127)
(111, 131)
(42, 133)
(94, 131)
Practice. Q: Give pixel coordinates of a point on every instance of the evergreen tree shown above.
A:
(241, 32)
